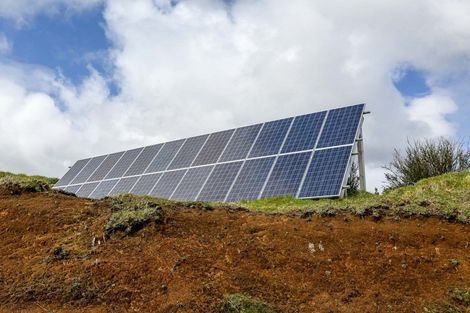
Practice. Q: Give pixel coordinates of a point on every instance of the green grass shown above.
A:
(445, 196)
(130, 213)
(239, 303)
(461, 295)
(17, 183)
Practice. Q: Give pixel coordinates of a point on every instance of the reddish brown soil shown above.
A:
(189, 263)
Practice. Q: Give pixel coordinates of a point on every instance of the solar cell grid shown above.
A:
(145, 184)
(240, 143)
(341, 126)
(251, 179)
(167, 184)
(191, 183)
(188, 152)
(124, 185)
(143, 160)
(270, 159)
(213, 148)
(219, 182)
(73, 171)
(271, 138)
(304, 132)
(326, 172)
(124, 163)
(103, 188)
(164, 157)
(73, 189)
(88, 170)
(105, 166)
(287, 175)
(86, 189)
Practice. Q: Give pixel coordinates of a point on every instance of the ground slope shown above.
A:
(53, 258)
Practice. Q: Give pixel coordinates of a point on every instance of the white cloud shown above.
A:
(5, 45)
(196, 68)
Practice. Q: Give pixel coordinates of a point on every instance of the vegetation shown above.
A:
(353, 180)
(426, 158)
(445, 196)
(459, 303)
(239, 303)
(17, 183)
(130, 213)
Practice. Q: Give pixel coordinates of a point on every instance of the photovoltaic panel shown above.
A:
(213, 148)
(219, 182)
(304, 132)
(88, 170)
(86, 189)
(124, 185)
(307, 156)
(103, 188)
(105, 166)
(287, 175)
(241, 142)
(123, 164)
(167, 184)
(74, 170)
(251, 179)
(145, 184)
(326, 172)
(341, 126)
(188, 152)
(191, 183)
(143, 160)
(73, 189)
(164, 157)
(271, 138)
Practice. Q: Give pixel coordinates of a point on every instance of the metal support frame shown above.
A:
(361, 163)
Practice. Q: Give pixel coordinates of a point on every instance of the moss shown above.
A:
(442, 308)
(130, 213)
(239, 303)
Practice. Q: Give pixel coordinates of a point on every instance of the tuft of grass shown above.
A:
(240, 303)
(130, 213)
(442, 308)
(18, 183)
(461, 295)
(444, 196)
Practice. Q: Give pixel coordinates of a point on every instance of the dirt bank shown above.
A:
(53, 258)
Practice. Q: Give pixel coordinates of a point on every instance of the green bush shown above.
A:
(130, 213)
(239, 303)
(426, 158)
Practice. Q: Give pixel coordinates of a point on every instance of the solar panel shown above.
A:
(74, 170)
(188, 152)
(306, 156)
(164, 157)
(124, 185)
(286, 175)
(251, 179)
(271, 138)
(192, 182)
(103, 188)
(219, 182)
(88, 169)
(167, 184)
(105, 166)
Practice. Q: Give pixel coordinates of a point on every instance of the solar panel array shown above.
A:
(305, 156)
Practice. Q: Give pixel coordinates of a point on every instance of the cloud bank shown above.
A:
(203, 65)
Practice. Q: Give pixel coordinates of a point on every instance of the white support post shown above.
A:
(362, 169)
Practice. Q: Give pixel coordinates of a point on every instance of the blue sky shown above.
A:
(200, 66)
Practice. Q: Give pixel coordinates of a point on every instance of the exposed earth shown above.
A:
(54, 258)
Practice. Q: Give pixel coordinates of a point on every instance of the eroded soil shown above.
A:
(321, 264)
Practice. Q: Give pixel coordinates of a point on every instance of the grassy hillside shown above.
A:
(26, 179)
(446, 196)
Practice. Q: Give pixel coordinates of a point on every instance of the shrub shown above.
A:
(130, 213)
(239, 303)
(353, 180)
(426, 158)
